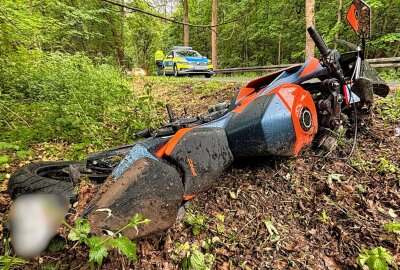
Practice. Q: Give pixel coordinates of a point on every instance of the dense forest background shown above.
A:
(109, 34)
(61, 61)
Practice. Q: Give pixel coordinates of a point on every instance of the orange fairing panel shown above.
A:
(352, 17)
(170, 145)
(246, 101)
(244, 92)
(312, 66)
(295, 99)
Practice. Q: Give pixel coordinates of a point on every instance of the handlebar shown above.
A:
(319, 42)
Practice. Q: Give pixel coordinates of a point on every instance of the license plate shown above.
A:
(199, 68)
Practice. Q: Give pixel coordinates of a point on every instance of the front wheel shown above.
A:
(176, 74)
(207, 75)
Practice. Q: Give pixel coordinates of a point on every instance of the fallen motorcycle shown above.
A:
(274, 115)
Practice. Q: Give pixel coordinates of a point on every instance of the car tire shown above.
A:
(176, 74)
(207, 75)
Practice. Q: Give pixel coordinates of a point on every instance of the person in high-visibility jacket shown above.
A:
(159, 57)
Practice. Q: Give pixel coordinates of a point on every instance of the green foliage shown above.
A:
(196, 221)
(146, 109)
(196, 260)
(8, 146)
(5, 159)
(220, 223)
(125, 246)
(376, 259)
(8, 262)
(97, 249)
(272, 231)
(385, 166)
(68, 97)
(387, 108)
(80, 232)
(56, 245)
(323, 217)
(99, 246)
(393, 227)
(25, 153)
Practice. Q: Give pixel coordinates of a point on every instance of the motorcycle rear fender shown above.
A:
(157, 180)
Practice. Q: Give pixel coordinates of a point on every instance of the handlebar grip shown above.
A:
(319, 42)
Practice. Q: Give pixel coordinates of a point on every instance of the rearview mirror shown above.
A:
(359, 18)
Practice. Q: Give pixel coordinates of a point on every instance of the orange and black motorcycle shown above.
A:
(275, 115)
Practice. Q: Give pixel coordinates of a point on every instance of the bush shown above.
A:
(58, 95)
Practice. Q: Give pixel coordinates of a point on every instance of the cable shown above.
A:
(172, 20)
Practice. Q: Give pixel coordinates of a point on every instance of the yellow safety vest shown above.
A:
(159, 55)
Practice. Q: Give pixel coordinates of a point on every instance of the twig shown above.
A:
(23, 120)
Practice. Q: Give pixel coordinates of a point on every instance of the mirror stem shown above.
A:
(363, 47)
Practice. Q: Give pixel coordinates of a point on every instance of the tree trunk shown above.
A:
(185, 20)
(214, 21)
(310, 21)
(279, 48)
(118, 36)
(339, 19)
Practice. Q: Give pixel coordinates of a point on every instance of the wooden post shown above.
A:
(310, 21)
(185, 20)
(214, 21)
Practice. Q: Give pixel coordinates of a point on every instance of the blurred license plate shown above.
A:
(199, 68)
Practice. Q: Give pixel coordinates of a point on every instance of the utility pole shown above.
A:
(214, 21)
(185, 20)
(310, 21)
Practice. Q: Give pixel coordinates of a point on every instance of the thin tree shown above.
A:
(310, 21)
(214, 22)
(186, 21)
(339, 20)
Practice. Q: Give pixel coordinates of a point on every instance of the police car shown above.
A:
(186, 61)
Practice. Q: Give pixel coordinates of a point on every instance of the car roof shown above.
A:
(184, 50)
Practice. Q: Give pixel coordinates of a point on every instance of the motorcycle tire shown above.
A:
(56, 177)
(43, 177)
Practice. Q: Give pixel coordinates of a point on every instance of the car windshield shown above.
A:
(188, 54)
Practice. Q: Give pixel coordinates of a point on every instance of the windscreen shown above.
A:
(369, 72)
(188, 54)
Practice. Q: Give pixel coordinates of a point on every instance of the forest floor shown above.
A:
(268, 213)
